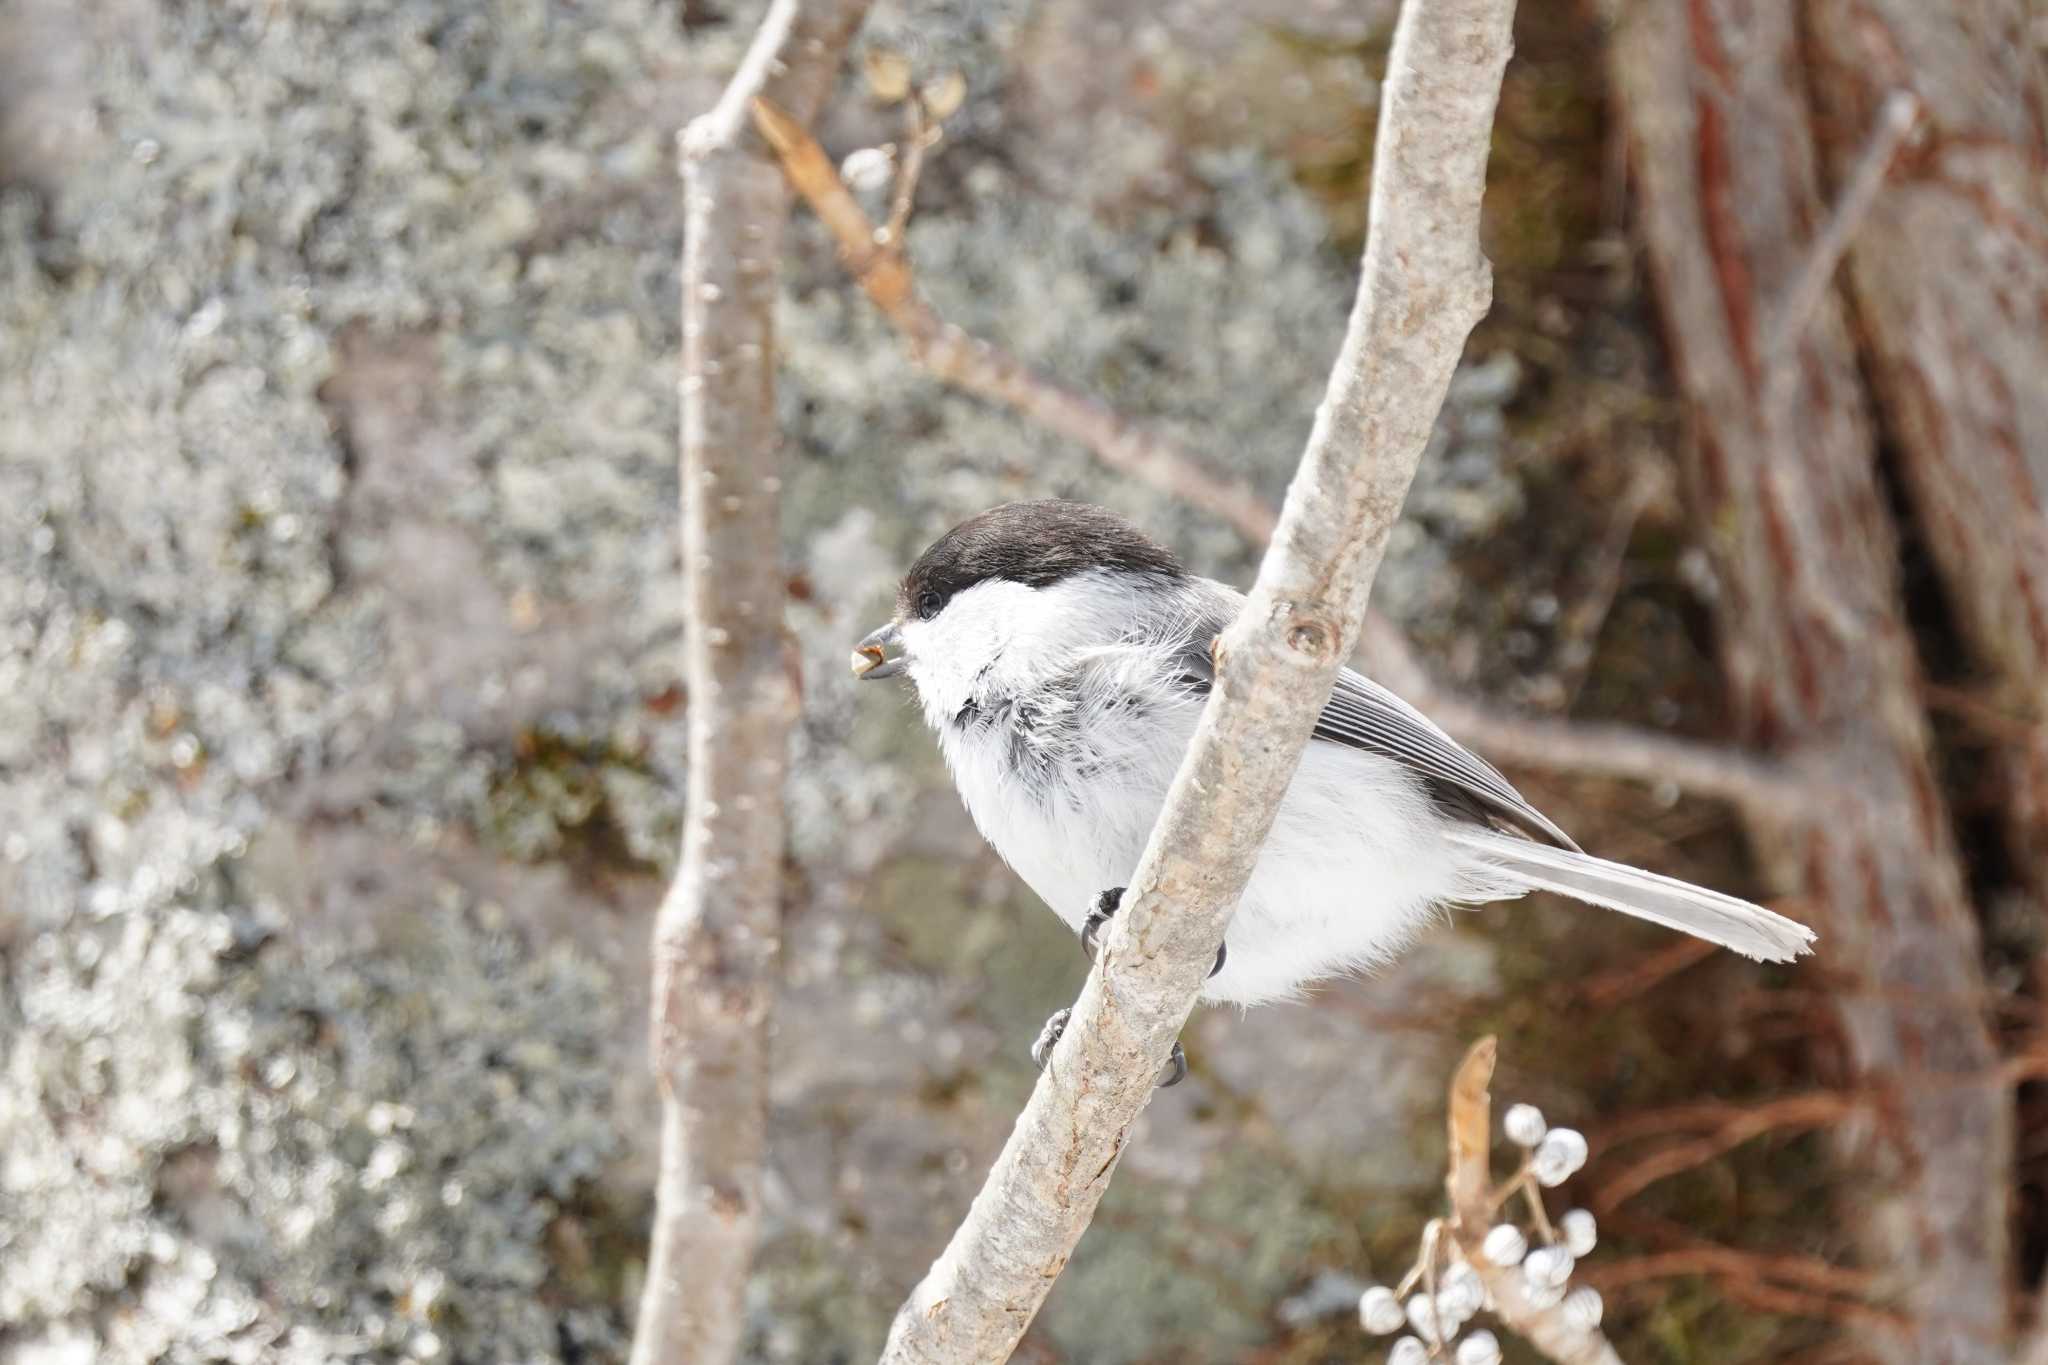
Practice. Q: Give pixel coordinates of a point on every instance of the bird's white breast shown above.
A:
(1063, 752)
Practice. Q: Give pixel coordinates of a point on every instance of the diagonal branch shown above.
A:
(1788, 322)
(1423, 285)
(716, 934)
(875, 259)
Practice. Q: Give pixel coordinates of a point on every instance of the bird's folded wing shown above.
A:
(1363, 715)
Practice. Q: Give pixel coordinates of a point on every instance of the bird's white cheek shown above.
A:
(965, 649)
(941, 669)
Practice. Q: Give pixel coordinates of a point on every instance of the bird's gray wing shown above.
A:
(1363, 715)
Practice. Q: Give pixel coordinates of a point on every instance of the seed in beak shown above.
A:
(871, 656)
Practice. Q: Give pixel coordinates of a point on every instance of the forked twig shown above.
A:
(1469, 1185)
(922, 135)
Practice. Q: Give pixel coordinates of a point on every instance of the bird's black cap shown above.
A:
(1033, 543)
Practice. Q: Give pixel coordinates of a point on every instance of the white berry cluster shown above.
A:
(1436, 1314)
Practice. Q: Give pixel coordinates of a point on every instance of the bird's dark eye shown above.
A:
(928, 604)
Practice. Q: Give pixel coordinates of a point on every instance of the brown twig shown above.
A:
(920, 137)
(1469, 1184)
(1705, 1115)
(716, 933)
(1734, 1125)
(1798, 1286)
(1807, 1272)
(977, 367)
(974, 365)
(1742, 1286)
(1646, 973)
(1796, 1112)
(1588, 618)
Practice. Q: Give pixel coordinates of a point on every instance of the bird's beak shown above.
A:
(873, 656)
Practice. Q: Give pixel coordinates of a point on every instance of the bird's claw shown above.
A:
(1098, 919)
(1041, 1050)
(1176, 1069)
(1173, 1073)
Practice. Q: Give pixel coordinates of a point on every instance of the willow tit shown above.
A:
(1062, 658)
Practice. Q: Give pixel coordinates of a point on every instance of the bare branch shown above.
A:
(921, 136)
(1896, 118)
(976, 366)
(1794, 1113)
(1470, 1186)
(1758, 785)
(1422, 287)
(717, 933)
(971, 364)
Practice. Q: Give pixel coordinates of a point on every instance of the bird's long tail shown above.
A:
(1749, 929)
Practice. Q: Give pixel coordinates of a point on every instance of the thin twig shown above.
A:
(1423, 286)
(1588, 618)
(716, 933)
(1701, 1116)
(1695, 1257)
(1758, 785)
(1469, 1185)
(1894, 124)
(976, 366)
(1644, 974)
(920, 137)
(1776, 1282)
(1796, 1113)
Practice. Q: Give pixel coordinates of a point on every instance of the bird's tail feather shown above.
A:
(1749, 929)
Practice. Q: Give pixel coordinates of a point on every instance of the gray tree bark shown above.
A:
(717, 934)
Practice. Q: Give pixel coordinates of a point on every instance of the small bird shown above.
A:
(1062, 658)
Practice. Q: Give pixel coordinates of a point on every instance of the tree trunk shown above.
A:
(1948, 286)
(1817, 644)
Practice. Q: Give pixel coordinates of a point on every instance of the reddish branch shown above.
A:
(1797, 1286)
(1744, 1124)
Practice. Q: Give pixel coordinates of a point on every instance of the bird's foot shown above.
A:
(1041, 1051)
(1098, 920)
(1173, 1073)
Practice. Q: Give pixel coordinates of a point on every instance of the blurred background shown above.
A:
(342, 721)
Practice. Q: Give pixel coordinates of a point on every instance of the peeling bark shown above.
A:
(1817, 645)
